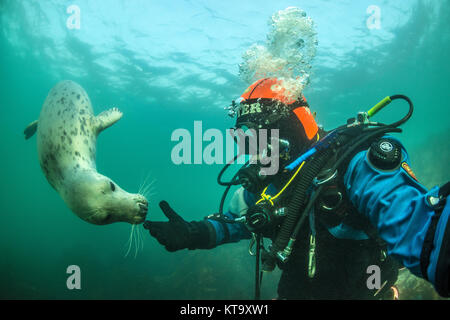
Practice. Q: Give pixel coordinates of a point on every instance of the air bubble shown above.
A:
(287, 54)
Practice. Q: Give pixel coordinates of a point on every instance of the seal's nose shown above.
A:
(143, 207)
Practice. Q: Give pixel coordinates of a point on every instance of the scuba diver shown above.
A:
(342, 202)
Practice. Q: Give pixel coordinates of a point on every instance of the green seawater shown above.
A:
(166, 65)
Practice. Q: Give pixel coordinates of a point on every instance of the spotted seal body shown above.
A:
(67, 131)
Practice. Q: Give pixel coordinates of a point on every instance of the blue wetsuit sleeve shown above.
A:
(233, 232)
(396, 204)
(229, 232)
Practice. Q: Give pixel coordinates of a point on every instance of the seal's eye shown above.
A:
(113, 186)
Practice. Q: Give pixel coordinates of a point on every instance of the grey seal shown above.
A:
(67, 131)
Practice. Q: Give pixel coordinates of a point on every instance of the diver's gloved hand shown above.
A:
(177, 233)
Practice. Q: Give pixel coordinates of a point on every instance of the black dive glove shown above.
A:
(177, 234)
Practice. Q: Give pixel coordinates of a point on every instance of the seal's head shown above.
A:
(104, 202)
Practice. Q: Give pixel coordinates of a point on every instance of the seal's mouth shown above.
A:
(142, 205)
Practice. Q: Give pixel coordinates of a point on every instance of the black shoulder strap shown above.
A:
(438, 204)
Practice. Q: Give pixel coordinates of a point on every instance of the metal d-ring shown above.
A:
(251, 245)
(318, 182)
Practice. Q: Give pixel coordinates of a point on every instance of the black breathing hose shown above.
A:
(219, 177)
(297, 203)
(306, 210)
(409, 114)
(234, 181)
(295, 218)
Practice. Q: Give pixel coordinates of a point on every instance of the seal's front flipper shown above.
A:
(107, 118)
(30, 130)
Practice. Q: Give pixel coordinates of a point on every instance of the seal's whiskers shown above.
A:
(135, 239)
(130, 240)
(142, 185)
(136, 246)
(148, 188)
(140, 240)
(141, 237)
